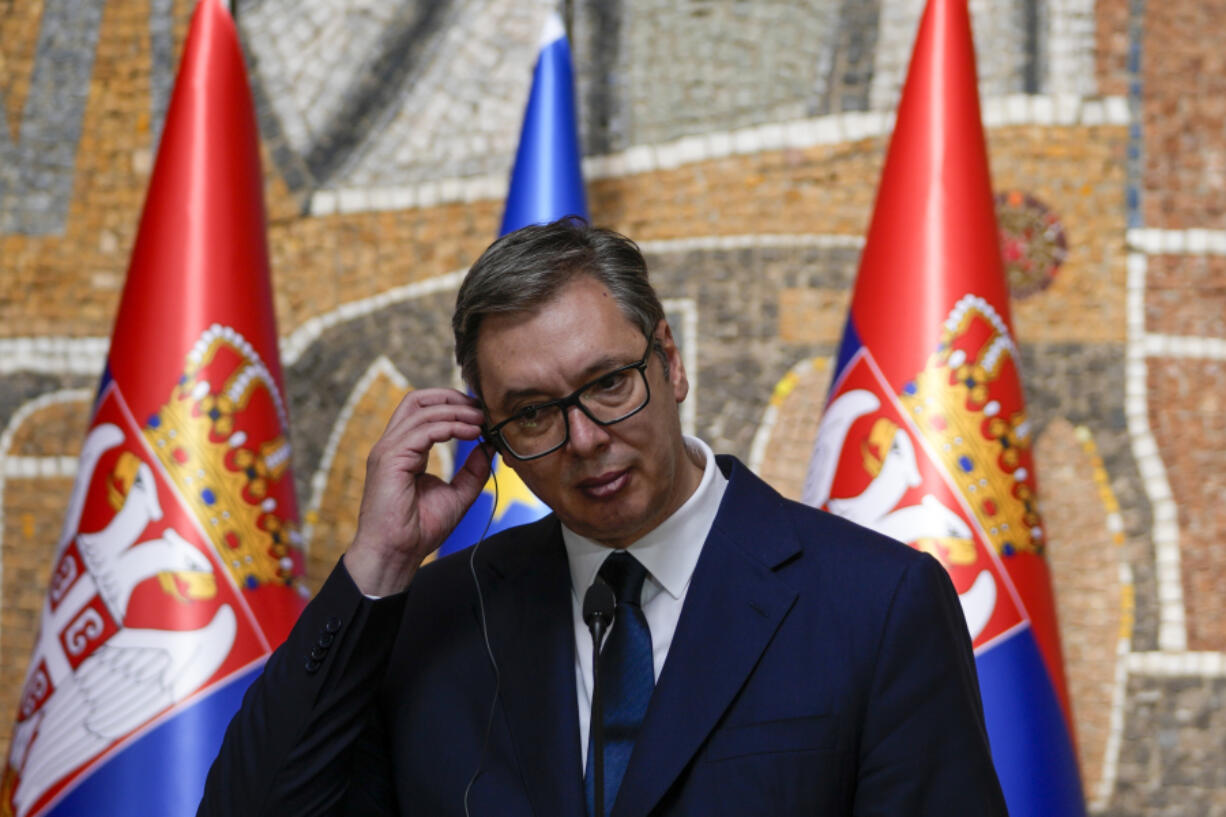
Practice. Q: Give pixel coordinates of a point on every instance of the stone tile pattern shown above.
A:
(1188, 404)
(54, 430)
(20, 388)
(811, 314)
(167, 29)
(819, 189)
(1171, 754)
(1084, 559)
(1183, 116)
(761, 310)
(1082, 385)
(466, 104)
(38, 141)
(367, 93)
(66, 280)
(692, 64)
(785, 461)
(19, 33)
(1066, 47)
(308, 55)
(597, 37)
(320, 263)
(740, 354)
(379, 94)
(376, 93)
(849, 61)
(1186, 295)
(1172, 761)
(690, 67)
(1111, 46)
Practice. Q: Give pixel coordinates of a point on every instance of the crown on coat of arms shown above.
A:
(951, 402)
(224, 476)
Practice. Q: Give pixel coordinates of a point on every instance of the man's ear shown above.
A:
(674, 368)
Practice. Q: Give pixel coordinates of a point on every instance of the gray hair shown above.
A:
(525, 268)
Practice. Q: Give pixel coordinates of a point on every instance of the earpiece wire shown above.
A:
(485, 634)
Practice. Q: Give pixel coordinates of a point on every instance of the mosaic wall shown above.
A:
(741, 144)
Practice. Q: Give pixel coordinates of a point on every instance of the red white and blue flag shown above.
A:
(925, 437)
(178, 568)
(546, 184)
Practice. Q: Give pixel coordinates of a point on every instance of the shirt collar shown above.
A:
(670, 551)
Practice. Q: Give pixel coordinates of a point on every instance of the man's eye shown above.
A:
(612, 381)
(528, 417)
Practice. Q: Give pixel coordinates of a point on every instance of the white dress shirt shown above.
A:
(669, 552)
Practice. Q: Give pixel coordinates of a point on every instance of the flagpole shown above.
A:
(925, 435)
(180, 553)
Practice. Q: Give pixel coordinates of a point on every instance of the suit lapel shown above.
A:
(533, 638)
(734, 605)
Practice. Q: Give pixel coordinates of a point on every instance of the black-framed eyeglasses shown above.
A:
(543, 428)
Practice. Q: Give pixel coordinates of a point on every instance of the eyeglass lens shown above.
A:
(606, 400)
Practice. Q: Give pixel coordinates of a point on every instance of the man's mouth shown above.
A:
(605, 485)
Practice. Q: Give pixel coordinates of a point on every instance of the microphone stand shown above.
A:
(598, 606)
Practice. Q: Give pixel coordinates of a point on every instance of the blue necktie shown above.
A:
(627, 675)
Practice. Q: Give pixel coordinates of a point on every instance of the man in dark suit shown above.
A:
(765, 658)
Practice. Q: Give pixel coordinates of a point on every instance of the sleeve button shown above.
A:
(332, 625)
(318, 653)
(312, 665)
(325, 640)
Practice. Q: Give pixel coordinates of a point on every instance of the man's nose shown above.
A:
(586, 436)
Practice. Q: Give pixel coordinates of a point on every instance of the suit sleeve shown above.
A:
(924, 747)
(292, 746)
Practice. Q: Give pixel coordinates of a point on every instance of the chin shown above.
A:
(608, 528)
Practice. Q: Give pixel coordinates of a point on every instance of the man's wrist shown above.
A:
(377, 577)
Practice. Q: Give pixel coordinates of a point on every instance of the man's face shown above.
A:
(609, 483)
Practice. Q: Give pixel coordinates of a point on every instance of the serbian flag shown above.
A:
(177, 570)
(546, 184)
(925, 438)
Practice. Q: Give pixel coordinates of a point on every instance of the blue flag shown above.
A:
(546, 184)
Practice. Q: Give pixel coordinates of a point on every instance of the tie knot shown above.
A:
(625, 575)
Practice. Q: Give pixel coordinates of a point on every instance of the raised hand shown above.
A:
(407, 513)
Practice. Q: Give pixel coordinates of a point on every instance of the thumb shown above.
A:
(470, 479)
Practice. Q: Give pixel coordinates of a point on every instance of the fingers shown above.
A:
(406, 512)
(435, 404)
(426, 417)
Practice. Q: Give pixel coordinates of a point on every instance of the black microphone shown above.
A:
(598, 606)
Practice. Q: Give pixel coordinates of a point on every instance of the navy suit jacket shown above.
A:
(817, 669)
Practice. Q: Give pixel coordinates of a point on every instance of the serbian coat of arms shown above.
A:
(943, 465)
(178, 548)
